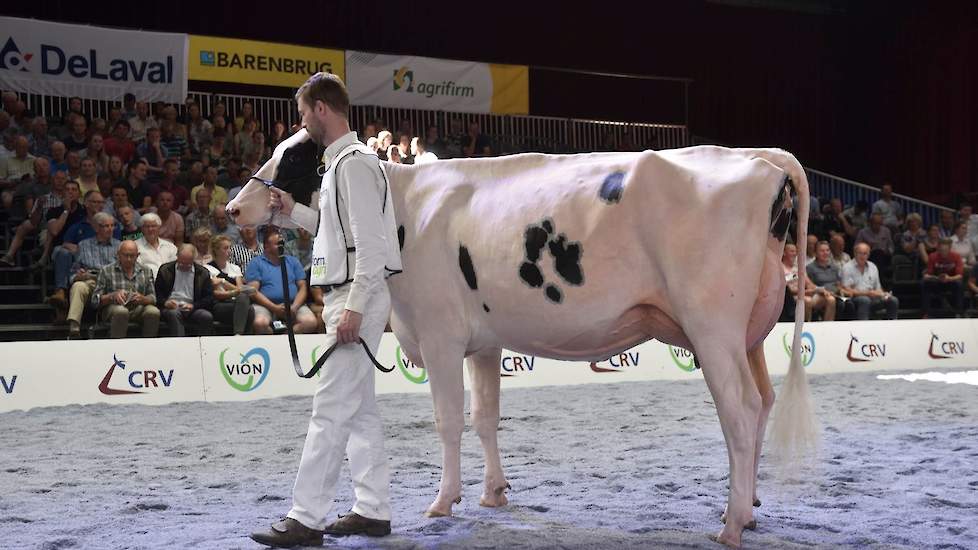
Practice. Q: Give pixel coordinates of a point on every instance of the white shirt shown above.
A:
(868, 279)
(153, 258)
(231, 269)
(425, 158)
(965, 248)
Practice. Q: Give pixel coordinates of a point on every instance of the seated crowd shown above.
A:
(129, 214)
(856, 255)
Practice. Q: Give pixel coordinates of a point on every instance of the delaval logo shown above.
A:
(683, 358)
(8, 384)
(618, 363)
(807, 347)
(411, 371)
(404, 80)
(241, 374)
(944, 349)
(137, 379)
(512, 364)
(55, 61)
(863, 352)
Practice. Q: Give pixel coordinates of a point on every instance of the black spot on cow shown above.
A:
(548, 226)
(612, 188)
(296, 171)
(485, 307)
(553, 294)
(531, 274)
(567, 259)
(534, 240)
(400, 237)
(781, 216)
(465, 263)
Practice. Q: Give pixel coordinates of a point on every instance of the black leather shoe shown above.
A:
(287, 534)
(355, 524)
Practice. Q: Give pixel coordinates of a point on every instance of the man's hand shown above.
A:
(942, 277)
(186, 307)
(348, 331)
(119, 297)
(279, 310)
(281, 201)
(170, 304)
(82, 275)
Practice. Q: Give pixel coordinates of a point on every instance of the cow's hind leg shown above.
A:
(484, 373)
(738, 403)
(443, 361)
(758, 370)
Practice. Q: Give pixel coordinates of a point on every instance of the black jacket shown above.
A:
(203, 289)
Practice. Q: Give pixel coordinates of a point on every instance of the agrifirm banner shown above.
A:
(265, 63)
(436, 84)
(92, 62)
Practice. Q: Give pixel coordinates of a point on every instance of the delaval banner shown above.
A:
(436, 84)
(47, 58)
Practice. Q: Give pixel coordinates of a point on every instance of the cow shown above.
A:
(581, 257)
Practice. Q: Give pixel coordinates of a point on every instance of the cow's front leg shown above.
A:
(484, 373)
(444, 366)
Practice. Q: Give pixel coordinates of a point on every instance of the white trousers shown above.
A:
(345, 417)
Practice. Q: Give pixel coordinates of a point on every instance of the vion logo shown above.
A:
(618, 362)
(411, 371)
(864, 352)
(404, 81)
(944, 350)
(137, 379)
(8, 385)
(247, 373)
(683, 358)
(56, 61)
(512, 364)
(11, 59)
(807, 347)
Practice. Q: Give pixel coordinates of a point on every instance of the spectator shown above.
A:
(138, 187)
(244, 176)
(260, 150)
(119, 144)
(115, 117)
(789, 265)
(911, 238)
(231, 177)
(247, 115)
(265, 275)
(172, 228)
(967, 215)
(128, 106)
(20, 199)
(404, 148)
(394, 154)
(173, 141)
(216, 153)
(930, 243)
(201, 215)
(243, 140)
(373, 144)
(947, 224)
(889, 209)
(96, 152)
(421, 154)
(184, 294)
(119, 198)
(130, 226)
(385, 138)
(221, 225)
(181, 197)
(154, 251)
(218, 193)
(962, 245)
(59, 160)
(74, 110)
(232, 298)
(369, 131)
(78, 139)
(199, 129)
(861, 280)
(812, 240)
(879, 239)
(219, 112)
(153, 153)
(454, 143)
(32, 224)
(476, 144)
(433, 142)
(73, 160)
(64, 256)
(88, 179)
(117, 170)
(944, 275)
(142, 122)
(838, 255)
(279, 134)
(857, 215)
(973, 284)
(40, 141)
(59, 218)
(826, 278)
(201, 239)
(15, 168)
(249, 248)
(124, 291)
(94, 253)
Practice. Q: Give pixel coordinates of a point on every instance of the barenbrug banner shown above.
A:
(265, 63)
(42, 57)
(436, 84)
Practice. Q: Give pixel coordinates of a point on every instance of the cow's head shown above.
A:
(292, 168)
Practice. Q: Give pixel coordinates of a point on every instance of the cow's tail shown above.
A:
(794, 430)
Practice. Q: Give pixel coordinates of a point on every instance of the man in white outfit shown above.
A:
(356, 247)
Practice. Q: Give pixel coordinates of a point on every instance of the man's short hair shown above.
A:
(328, 88)
(152, 218)
(269, 232)
(134, 163)
(102, 217)
(71, 182)
(945, 241)
(91, 192)
(187, 247)
(122, 186)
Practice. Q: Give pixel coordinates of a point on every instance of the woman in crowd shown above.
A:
(929, 244)
(961, 244)
(117, 170)
(201, 239)
(279, 134)
(96, 152)
(232, 298)
(789, 264)
(217, 153)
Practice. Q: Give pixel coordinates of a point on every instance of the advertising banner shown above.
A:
(47, 58)
(253, 62)
(436, 84)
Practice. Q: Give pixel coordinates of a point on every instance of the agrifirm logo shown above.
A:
(404, 81)
(411, 371)
(245, 371)
(616, 363)
(807, 346)
(862, 352)
(7, 384)
(513, 364)
(683, 358)
(137, 379)
(944, 349)
(56, 61)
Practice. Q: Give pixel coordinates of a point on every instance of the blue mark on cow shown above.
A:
(612, 188)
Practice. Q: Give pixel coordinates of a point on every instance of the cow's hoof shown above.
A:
(438, 510)
(751, 525)
(757, 502)
(727, 539)
(495, 498)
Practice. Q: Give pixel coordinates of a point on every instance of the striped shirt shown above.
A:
(112, 278)
(46, 201)
(174, 146)
(93, 255)
(240, 255)
(195, 220)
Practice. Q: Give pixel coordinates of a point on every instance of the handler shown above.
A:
(356, 247)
